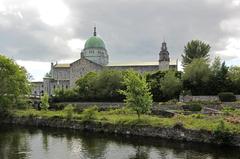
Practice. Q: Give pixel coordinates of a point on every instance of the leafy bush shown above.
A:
(192, 107)
(227, 97)
(90, 113)
(45, 102)
(69, 110)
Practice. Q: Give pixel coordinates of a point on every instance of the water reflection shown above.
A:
(27, 143)
(140, 153)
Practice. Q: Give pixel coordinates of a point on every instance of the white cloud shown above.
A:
(36, 69)
(52, 12)
(76, 45)
(231, 25)
(231, 51)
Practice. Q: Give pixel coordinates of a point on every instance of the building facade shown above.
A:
(94, 57)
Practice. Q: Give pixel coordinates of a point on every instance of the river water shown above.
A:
(33, 143)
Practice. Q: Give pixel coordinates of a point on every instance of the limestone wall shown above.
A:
(198, 98)
(201, 98)
(138, 68)
(81, 67)
(177, 132)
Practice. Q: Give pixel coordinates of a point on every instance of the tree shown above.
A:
(108, 84)
(195, 49)
(137, 93)
(153, 80)
(170, 84)
(196, 77)
(219, 81)
(44, 102)
(14, 83)
(101, 86)
(234, 76)
(86, 86)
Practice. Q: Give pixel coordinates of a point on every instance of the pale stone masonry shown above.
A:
(94, 57)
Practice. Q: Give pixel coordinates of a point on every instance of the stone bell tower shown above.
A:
(164, 59)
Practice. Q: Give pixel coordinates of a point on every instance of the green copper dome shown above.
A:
(94, 42)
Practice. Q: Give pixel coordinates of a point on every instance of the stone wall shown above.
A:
(81, 67)
(198, 98)
(37, 88)
(138, 68)
(201, 98)
(176, 133)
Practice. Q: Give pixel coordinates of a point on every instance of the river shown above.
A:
(35, 143)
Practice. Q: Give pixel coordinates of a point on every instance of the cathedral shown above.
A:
(94, 57)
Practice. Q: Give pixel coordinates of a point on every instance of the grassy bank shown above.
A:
(222, 123)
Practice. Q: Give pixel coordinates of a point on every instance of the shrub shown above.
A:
(69, 110)
(44, 102)
(227, 97)
(192, 107)
(90, 113)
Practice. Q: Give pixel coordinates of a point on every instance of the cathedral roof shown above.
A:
(94, 42)
(62, 66)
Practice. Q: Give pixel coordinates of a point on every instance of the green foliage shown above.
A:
(154, 82)
(13, 83)
(192, 107)
(196, 76)
(123, 110)
(101, 86)
(234, 76)
(62, 95)
(137, 93)
(45, 102)
(228, 110)
(193, 122)
(222, 134)
(219, 81)
(195, 49)
(90, 113)
(227, 97)
(170, 85)
(69, 109)
(198, 116)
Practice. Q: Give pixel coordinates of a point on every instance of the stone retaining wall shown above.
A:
(201, 98)
(176, 133)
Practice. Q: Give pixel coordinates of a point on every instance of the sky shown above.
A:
(38, 32)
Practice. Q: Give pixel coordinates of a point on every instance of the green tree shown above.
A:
(64, 95)
(196, 76)
(170, 85)
(101, 86)
(44, 102)
(195, 49)
(108, 84)
(86, 86)
(137, 93)
(219, 81)
(14, 83)
(234, 77)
